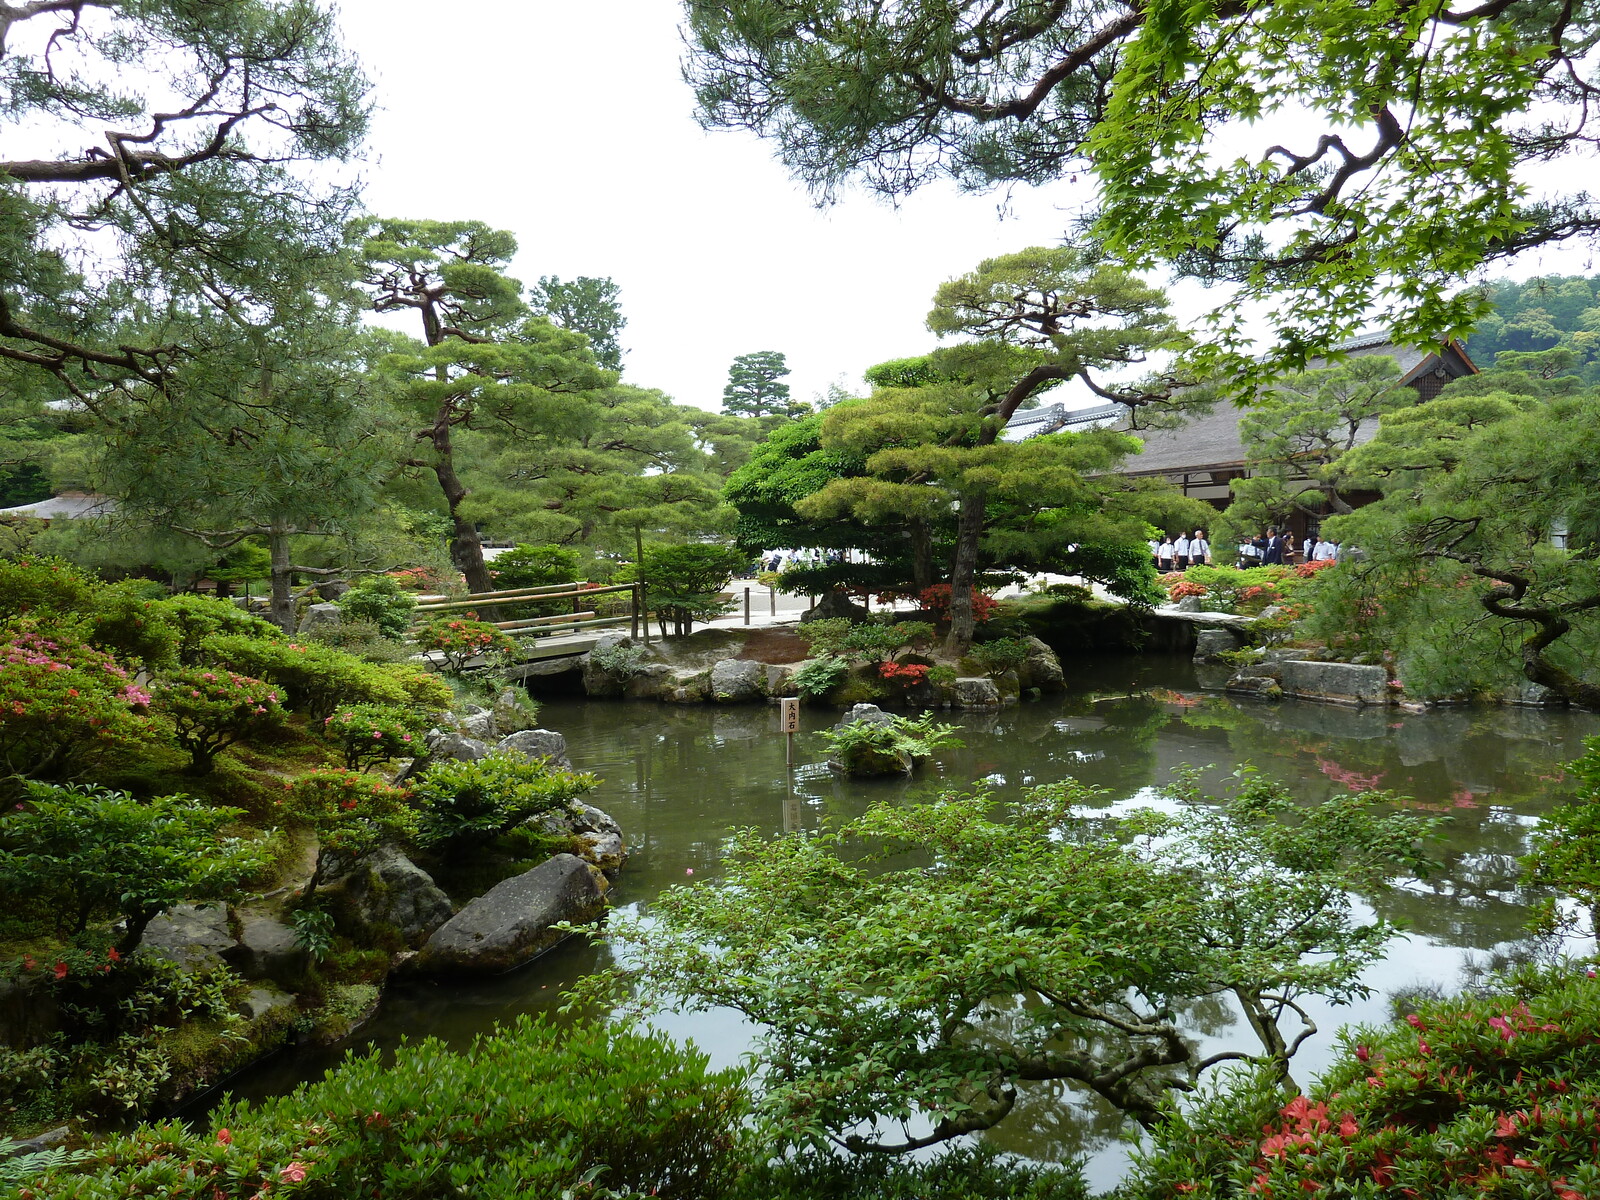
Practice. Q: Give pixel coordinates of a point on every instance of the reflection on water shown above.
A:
(679, 780)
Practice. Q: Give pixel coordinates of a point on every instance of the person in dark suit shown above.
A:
(1273, 551)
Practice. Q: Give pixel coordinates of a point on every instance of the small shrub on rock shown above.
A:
(211, 710)
(476, 802)
(368, 734)
(1001, 655)
(817, 677)
(352, 814)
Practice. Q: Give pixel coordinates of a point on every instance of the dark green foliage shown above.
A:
(211, 710)
(536, 566)
(39, 586)
(1000, 654)
(471, 803)
(129, 620)
(819, 676)
(524, 1114)
(755, 387)
(968, 1173)
(379, 599)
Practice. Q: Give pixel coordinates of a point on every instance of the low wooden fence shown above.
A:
(578, 620)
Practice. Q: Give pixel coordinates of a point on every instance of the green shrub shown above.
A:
(44, 586)
(523, 1114)
(476, 802)
(619, 660)
(211, 710)
(319, 678)
(684, 582)
(1001, 655)
(819, 676)
(461, 640)
(363, 639)
(65, 708)
(379, 599)
(864, 641)
(90, 854)
(130, 623)
(368, 734)
(197, 618)
(825, 636)
(526, 566)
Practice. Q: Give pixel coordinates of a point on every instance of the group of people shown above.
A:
(782, 560)
(1275, 547)
(1179, 552)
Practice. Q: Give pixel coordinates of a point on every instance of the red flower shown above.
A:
(61, 970)
(225, 1137)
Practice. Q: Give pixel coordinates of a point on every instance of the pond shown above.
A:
(679, 779)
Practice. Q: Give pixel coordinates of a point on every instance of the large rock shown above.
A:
(268, 949)
(195, 938)
(387, 890)
(1335, 683)
(537, 743)
(835, 604)
(480, 725)
(686, 687)
(454, 745)
(1536, 695)
(318, 616)
(976, 692)
(597, 836)
(509, 716)
(1262, 687)
(1211, 643)
(1042, 668)
(1189, 604)
(738, 681)
(780, 679)
(511, 923)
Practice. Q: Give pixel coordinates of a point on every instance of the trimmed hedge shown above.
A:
(525, 1113)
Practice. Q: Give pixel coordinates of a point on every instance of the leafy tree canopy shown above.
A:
(1542, 314)
(911, 967)
(1399, 138)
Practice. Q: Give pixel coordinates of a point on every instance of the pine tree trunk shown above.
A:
(466, 548)
(963, 571)
(282, 606)
(921, 556)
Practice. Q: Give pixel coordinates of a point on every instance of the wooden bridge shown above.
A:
(551, 635)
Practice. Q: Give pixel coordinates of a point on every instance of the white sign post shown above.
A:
(789, 722)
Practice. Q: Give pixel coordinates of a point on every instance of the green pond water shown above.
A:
(679, 779)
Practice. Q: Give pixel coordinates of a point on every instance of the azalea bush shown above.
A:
(196, 618)
(209, 711)
(39, 587)
(475, 802)
(460, 640)
(864, 641)
(368, 734)
(319, 678)
(936, 599)
(592, 1102)
(128, 620)
(1492, 1095)
(65, 707)
(351, 813)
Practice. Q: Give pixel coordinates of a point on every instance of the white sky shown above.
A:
(568, 124)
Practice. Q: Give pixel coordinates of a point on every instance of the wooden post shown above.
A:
(772, 600)
(747, 606)
(633, 628)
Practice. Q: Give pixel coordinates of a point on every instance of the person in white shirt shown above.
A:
(1180, 552)
(1322, 551)
(1164, 553)
(1199, 549)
